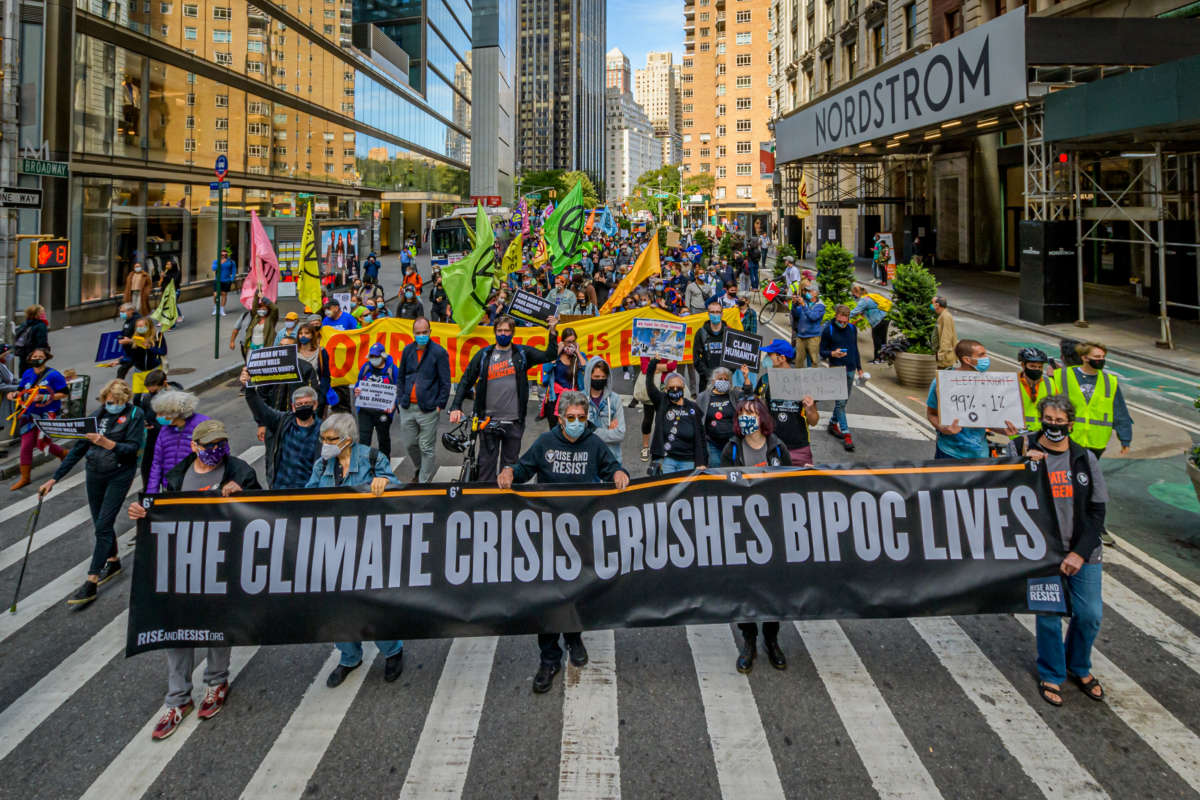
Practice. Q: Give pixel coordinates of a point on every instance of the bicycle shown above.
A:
(771, 308)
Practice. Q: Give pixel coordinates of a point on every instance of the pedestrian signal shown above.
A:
(52, 253)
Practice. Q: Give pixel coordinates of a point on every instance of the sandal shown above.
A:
(1089, 687)
(1046, 689)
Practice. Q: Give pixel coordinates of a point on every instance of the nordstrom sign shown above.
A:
(978, 71)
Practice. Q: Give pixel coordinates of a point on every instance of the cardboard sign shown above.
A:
(531, 308)
(109, 347)
(70, 428)
(658, 338)
(377, 396)
(819, 383)
(672, 238)
(740, 348)
(343, 300)
(979, 399)
(269, 365)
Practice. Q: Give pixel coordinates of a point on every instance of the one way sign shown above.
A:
(16, 197)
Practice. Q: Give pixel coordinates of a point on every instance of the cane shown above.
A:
(33, 518)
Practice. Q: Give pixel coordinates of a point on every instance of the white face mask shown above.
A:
(377, 361)
(330, 450)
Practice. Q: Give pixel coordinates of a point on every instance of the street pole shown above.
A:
(8, 160)
(217, 273)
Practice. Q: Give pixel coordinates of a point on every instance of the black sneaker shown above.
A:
(578, 654)
(544, 678)
(110, 570)
(85, 595)
(339, 674)
(393, 666)
(775, 654)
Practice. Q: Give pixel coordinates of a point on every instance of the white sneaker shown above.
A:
(214, 313)
(222, 311)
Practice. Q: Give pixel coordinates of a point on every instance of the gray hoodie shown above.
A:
(603, 414)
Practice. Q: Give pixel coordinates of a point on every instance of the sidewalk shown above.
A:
(1116, 317)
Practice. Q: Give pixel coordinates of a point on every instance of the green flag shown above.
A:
(469, 282)
(564, 230)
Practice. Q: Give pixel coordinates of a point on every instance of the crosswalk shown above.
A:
(747, 737)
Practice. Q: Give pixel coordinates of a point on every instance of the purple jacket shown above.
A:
(172, 446)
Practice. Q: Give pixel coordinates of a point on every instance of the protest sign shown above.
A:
(672, 238)
(658, 338)
(109, 347)
(376, 396)
(268, 365)
(67, 428)
(529, 307)
(740, 348)
(343, 300)
(819, 383)
(979, 399)
(267, 568)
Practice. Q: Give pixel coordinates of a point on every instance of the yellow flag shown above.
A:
(540, 256)
(647, 265)
(167, 312)
(510, 263)
(308, 281)
(803, 209)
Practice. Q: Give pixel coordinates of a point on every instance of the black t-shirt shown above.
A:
(679, 433)
(791, 426)
(718, 420)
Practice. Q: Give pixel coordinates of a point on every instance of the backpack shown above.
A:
(23, 343)
(884, 303)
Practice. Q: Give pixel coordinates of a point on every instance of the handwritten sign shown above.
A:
(819, 383)
(67, 428)
(531, 308)
(109, 347)
(740, 348)
(343, 300)
(269, 365)
(377, 396)
(979, 399)
(658, 338)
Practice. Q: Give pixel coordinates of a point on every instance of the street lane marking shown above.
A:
(1039, 752)
(895, 769)
(745, 766)
(27, 503)
(1129, 549)
(443, 755)
(1114, 556)
(1168, 634)
(447, 474)
(44, 536)
(300, 746)
(1174, 742)
(44, 698)
(897, 426)
(135, 768)
(588, 767)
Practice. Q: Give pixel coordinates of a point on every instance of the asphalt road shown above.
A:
(912, 708)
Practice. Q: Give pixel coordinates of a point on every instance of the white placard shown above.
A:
(819, 383)
(377, 396)
(343, 301)
(979, 399)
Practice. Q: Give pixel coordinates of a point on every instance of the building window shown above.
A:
(745, 192)
(720, 172)
(222, 37)
(705, 167)
(743, 16)
(851, 59)
(189, 145)
(254, 47)
(221, 123)
(743, 37)
(221, 101)
(347, 108)
(721, 48)
(879, 43)
(720, 89)
(189, 122)
(720, 130)
(704, 17)
(281, 150)
(191, 99)
(910, 26)
(704, 32)
(705, 152)
(719, 193)
(258, 129)
(164, 8)
(742, 148)
(953, 21)
(687, 92)
(743, 125)
(255, 67)
(827, 72)
(743, 81)
(189, 33)
(720, 151)
(720, 109)
(704, 47)
(743, 103)
(687, 153)
(742, 60)
(256, 150)
(191, 10)
(164, 31)
(687, 108)
(258, 108)
(225, 59)
(221, 145)
(743, 168)
(222, 12)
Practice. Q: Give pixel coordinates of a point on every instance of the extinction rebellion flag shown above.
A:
(264, 568)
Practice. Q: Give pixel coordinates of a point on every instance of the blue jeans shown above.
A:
(939, 453)
(1056, 658)
(839, 406)
(352, 651)
(675, 465)
(714, 454)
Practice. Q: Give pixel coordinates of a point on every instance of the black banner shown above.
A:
(529, 307)
(740, 349)
(270, 365)
(67, 427)
(716, 546)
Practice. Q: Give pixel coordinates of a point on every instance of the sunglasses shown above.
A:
(575, 418)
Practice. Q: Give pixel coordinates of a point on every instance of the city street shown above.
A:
(898, 708)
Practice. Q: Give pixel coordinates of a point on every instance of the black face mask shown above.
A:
(1055, 432)
(674, 395)
(1096, 363)
(304, 412)
(600, 384)
(1034, 375)
(36, 362)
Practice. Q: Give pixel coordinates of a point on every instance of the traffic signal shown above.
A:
(553, 193)
(52, 253)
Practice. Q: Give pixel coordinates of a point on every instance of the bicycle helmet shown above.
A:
(1033, 354)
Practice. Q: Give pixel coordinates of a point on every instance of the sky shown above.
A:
(640, 26)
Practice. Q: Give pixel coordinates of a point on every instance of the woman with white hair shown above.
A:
(175, 411)
(345, 462)
(112, 463)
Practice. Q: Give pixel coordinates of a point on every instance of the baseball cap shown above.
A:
(781, 347)
(209, 431)
(291, 316)
(377, 349)
(789, 259)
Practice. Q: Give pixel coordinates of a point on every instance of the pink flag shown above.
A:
(264, 265)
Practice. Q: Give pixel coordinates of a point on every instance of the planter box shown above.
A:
(1194, 473)
(915, 369)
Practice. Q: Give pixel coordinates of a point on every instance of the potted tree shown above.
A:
(1193, 463)
(912, 313)
(835, 275)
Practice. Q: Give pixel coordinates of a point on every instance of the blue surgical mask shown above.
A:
(504, 339)
(574, 428)
(982, 364)
(162, 420)
(114, 408)
(422, 339)
(124, 315)
(714, 318)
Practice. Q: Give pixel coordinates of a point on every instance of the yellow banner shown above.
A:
(606, 336)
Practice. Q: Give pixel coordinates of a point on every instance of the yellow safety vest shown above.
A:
(1094, 418)
(1044, 387)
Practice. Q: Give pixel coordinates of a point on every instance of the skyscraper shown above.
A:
(493, 98)
(631, 147)
(656, 89)
(560, 122)
(616, 71)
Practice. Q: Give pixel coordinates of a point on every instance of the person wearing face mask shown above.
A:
(208, 467)
(1034, 384)
(336, 318)
(953, 440)
(378, 368)
(175, 412)
(111, 463)
(808, 313)
(32, 334)
(604, 406)
(346, 462)
(583, 305)
(155, 382)
(424, 377)
(707, 345)
(561, 296)
(496, 373)
(839, 346)
(172, 276)
(868, 306)
(568, 453)
(293, 434)
(147, 351)
(564, 374)
(1072, 476)
(1099, 404)
(255, 327)
(412, 278)
(138, 288)
(409, 306)
(128, 316)
(678, 443)
(695, 296)
(718, 404)
(291, 325)
(793, 419)
(48, 388)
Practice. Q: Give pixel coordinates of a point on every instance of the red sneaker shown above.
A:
(847, 443)
(170, 719)
(214, 700)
